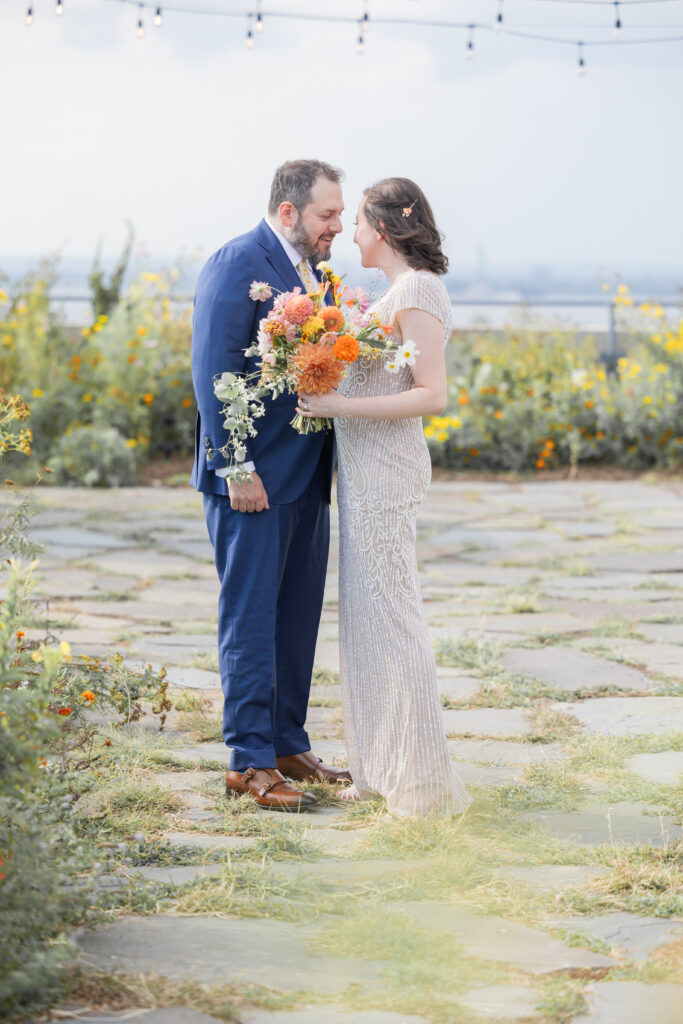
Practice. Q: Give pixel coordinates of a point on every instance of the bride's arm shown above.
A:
(427, 398)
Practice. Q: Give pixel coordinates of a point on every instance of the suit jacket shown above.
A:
(225, 324)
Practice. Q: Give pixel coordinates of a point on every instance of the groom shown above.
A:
(271, 535)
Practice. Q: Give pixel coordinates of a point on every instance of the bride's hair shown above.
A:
(398, 209)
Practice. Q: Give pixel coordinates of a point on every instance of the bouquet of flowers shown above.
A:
(304, 345)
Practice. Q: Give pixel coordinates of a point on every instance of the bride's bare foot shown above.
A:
(350, 793)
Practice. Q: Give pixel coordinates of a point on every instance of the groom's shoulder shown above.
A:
(240, 250)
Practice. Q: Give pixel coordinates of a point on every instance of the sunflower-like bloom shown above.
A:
(318, 368)
(332, 317)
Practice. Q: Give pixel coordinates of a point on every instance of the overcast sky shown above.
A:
(524, 162)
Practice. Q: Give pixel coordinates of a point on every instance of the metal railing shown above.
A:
(610, 306)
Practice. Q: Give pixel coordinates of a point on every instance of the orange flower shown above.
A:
(474, 452)
(589, 404)
(463, 399)
(19, 633)
(148, 398)
(88, 695)
(319, 369)
(387, 328)
(131, 358)
(64, 711)
(346, 348)
(274, 327)
(332, 317)
(187, 402)
(498, 414)
(298, 309)
(540, 463)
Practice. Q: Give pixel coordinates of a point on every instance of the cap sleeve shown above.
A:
(427, 292)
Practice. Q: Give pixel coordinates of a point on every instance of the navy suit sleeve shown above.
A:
(224, 326)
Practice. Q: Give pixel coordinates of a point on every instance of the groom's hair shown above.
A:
(293, 181)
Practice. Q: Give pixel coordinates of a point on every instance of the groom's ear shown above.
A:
(287, 212)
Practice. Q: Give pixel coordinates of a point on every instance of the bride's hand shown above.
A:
(329, 404)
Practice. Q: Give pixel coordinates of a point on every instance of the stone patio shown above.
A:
(606, 674)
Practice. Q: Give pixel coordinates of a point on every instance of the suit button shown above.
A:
(207, 443)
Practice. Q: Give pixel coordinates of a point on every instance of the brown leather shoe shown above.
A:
(268, 788)
(311, 768)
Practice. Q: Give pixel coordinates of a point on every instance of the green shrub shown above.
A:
(94, 458)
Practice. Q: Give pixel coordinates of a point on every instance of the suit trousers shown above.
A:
(271, 566)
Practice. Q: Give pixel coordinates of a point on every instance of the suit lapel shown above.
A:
(277, 257)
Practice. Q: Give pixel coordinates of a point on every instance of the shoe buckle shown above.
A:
(250, 772)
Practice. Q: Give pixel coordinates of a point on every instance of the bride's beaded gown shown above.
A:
(394, 731)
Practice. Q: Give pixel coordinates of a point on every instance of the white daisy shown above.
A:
(406, 352)
(260, 291)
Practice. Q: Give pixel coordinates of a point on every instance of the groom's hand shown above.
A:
(248, 497)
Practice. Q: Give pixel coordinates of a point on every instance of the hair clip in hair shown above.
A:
(407, 210)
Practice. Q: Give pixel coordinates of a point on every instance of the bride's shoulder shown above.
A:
(422, 289)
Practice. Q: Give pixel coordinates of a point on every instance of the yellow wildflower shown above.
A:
(37, 393)
(65, 650)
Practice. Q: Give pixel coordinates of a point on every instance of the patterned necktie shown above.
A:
(304, 271)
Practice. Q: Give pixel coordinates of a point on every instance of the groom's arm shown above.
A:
(224, 320)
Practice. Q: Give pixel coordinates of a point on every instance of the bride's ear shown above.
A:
(380, 235)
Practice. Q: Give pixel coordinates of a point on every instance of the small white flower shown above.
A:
(324, 267)
(406, 352)
(260, 291)
(392, 366)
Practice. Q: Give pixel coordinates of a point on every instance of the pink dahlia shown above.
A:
(298, 309)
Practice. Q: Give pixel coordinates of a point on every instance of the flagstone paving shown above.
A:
(556, 610)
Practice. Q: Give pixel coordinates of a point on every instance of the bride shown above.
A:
(394, 731)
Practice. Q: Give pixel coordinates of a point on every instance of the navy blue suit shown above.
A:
(271, 564)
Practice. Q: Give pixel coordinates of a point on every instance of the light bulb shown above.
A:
(59, 9)
(250, 39)
(140, 31)
(500, 27)
(469, 53)
(157, 17)
(259, 22)
(29, 17)
(365, 22)
(360, 48)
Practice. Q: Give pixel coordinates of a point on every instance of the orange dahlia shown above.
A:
(318, 369)
(298, 309)
(332, 317)
(346, 348)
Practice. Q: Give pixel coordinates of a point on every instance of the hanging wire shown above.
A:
(469, 49)
(617, 23)
(360, 45)
(581, 63)
(499, 26)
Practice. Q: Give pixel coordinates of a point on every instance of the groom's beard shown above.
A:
(314, 250)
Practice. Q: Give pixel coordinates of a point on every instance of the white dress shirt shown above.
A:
(294, 258)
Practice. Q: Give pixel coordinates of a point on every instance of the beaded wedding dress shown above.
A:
(395, 737)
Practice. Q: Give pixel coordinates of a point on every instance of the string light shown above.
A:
(500, 27)
(59, 9)
(140, 30)
(469, 49)
(360, 47)
(581, 65)
(617, 23)
(250, 34)
(157, 17)
(28, 20)
(365, 20)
